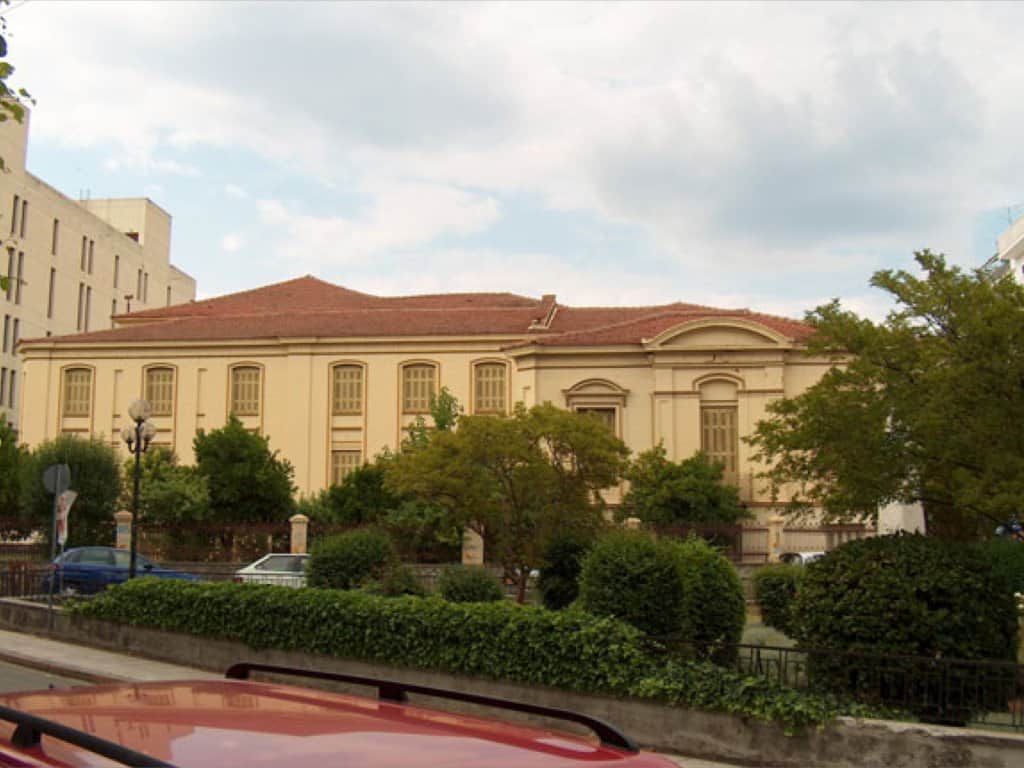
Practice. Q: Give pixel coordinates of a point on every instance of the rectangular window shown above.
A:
(77, 392)
(15, 334)
(54, 238)
(605, 415)
(88, 305)
(53, 287)
(245, 391)
(14, 215)
(138, 285)
(489, 388)
(10, 390)
(20, 277)
(81, 305)
(720, 439)
(347, 390)
(92, 247)
(3, 385)
(24, 217)
(85, 249)
(145, 287)
(418, 388)
(344, 463)
(7, 331)
(117, 269)
(10, 273)
(160, 390)
(113, 311)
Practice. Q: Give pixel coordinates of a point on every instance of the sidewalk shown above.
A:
(96, 666)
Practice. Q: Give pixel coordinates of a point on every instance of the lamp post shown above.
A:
(138, 436)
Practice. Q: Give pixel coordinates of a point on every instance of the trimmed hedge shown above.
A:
(566, 649)
(714, 609)
(775, 586)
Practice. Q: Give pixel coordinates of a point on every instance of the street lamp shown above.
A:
(138, 436)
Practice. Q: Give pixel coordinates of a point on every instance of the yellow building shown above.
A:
(73, 265)
(334, 376)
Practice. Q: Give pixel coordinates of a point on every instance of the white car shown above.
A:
(800, 558)
(282, 569)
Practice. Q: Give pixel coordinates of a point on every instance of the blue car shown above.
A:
(88, 570)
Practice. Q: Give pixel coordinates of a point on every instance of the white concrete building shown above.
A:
(1009, 258)
(73, 265)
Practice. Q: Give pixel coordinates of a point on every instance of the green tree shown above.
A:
(247, 481)
(920, 407)
(168, 492)
(517, 480)
(95, 477)
(663, 492)
(445, 411)
(12, 456)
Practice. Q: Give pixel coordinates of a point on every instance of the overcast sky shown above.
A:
(767, 156)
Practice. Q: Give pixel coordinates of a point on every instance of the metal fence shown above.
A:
(750, 544)
(936, 690)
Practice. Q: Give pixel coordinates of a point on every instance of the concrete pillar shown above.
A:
(300, 527)
(472, 548)
(124, 529)
(776, 524)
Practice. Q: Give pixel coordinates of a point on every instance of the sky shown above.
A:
(770, 156)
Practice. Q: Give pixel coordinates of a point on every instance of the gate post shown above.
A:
(776, 523)
(300, 527)
(124, 529)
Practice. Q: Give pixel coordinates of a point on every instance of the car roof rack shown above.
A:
(395, 691)
(30, 729)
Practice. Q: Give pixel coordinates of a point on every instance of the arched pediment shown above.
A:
(594, 390)
(718, 333)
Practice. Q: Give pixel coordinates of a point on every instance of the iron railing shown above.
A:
(936, 690)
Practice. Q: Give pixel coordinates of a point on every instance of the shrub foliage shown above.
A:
(714, 609)
(350, 559)
(469, 584)
(565, 649)
(559, 582)
(775, 586)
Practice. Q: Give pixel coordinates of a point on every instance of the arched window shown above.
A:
(77, 392)
(347, 390)
(419, 387)
(245, 390)
(159, 389)
(490, 387)
(719, 434)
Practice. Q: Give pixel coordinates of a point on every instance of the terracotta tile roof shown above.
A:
(310, 308)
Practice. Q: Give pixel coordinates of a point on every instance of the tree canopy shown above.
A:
(168, 492)
(247, 481)
(12, 456)
(515, 480)
(691, 491)
(923, 407)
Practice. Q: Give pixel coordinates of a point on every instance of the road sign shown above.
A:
(57, 478)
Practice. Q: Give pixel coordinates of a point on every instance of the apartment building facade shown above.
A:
(73, 265)
(333, 376)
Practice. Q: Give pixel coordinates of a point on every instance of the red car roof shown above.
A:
(222, 724)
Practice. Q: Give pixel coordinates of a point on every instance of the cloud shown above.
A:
(769, 152)
(232, 243)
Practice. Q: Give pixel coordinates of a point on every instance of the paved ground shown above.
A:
(80, 663)
(17, 678)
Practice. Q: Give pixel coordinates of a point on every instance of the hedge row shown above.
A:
(565, 649)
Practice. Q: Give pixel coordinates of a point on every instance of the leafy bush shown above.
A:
(635, 577)
(559, 579)
(685, 594)
(565, 649)
(714, 609)
(903, 594)
(397, 581)
(350, 559)
(469, 584)
(1006, 557)
(775, 587)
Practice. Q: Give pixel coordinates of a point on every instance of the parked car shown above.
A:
(237, 722)
(283, 569)
(800, 558)
(88, 570)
